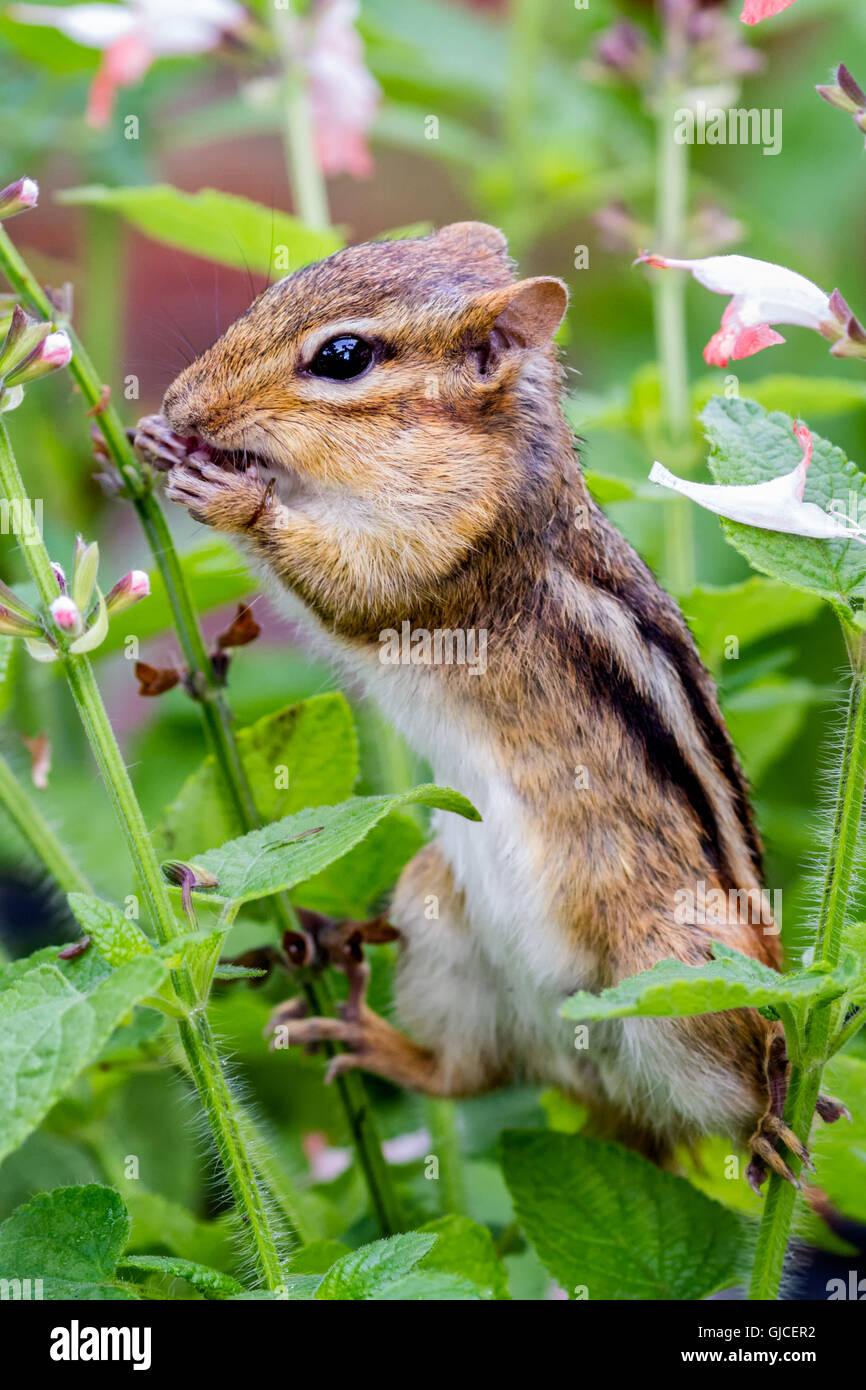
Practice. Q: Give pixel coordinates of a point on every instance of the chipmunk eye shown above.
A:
(342, 358)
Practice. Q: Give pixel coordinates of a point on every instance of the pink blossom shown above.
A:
(133, 34)
(127, 591)
(18, 197)
(756, 10)
(66, 614)
(343, 95)
(763, 294)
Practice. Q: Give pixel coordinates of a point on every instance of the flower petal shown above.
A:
(756, 10)
(775, 505)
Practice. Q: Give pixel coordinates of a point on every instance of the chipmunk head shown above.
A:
(396, 383)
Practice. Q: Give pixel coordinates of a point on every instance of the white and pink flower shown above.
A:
(343, 94)
(763, 294)
(135, 33)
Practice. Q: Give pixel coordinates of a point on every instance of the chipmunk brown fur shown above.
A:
(439, 487)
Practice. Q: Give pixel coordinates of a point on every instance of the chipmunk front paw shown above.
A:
(225, 498)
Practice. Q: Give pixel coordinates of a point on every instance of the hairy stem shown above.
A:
(197, 1040)
(215, 711)
(806, 1077)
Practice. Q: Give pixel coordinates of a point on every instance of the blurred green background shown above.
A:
(543, 128)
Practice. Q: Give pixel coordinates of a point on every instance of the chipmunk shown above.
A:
(383, 433)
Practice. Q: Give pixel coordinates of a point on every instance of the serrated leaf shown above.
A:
(116, 938)
(366, 1273)
(209, 1281)
(275, 858)
(732, 981)
(218, 226)
(50, 1031)
(750, 446)
(465, 1248)
(607, 1222)
(71, 1239)
(314, 741)
(352, 886)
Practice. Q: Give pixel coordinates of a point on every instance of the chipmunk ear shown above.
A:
(525, 315)
(528, 314)
(472, 237)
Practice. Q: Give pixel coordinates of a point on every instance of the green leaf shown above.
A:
(607, 1224)
(750, 446)
(71, 1239)
(117, 939)
(165, 1224)
(466, 1248)
(840, 1148)
(209, 1281)
(218, 226)
(750, 611)
(366, 1273)
(731, 981)
(310, 745)
(50, 1031)
(352, 886)
(275, 858)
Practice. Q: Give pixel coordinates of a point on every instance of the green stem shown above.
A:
(215, 711)
(442, 1119)
(805, 1079)
(525, 29)
(299, 137)
(35, 829)
(669, 303)
(222, 1111)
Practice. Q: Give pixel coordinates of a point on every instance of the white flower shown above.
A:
(762, 294)
(133, 34)
(776, 505)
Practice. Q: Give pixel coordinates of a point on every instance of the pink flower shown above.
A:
(775, 505)
(343, 95)
(764, 294)
(127, 591)
(134, 33)
(66, 614)
(756, 10)
(18, 197)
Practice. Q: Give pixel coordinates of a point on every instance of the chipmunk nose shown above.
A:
(183, 415)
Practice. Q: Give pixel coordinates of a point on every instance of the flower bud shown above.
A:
(67, 615)
(84, 568)
(127, 591)
(13, 624)
(18, 197)
(53, 352)
(23, 337)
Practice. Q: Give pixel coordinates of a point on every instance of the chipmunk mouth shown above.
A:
(162, 448)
